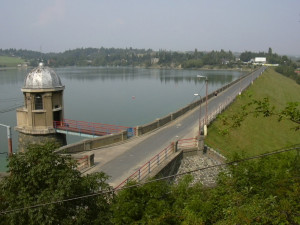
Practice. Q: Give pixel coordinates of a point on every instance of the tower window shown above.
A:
(25, 101)
(38, 102)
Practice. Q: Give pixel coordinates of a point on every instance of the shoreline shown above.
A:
(140, 67)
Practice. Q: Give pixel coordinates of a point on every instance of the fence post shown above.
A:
(175, 146)
(149, 170)
(137, 130)
(200, 142)
(139, 175)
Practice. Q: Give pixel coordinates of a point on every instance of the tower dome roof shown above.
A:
(42, 77)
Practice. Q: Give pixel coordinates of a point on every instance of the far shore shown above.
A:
(142, 67)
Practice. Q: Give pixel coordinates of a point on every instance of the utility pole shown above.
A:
(206, 119)
(200, 101)
(10, 152)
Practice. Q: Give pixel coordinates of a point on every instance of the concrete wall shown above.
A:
(26, 139)
(84, 161)
(22, 117)
(89, 144)
(163, 121)
(107, 140)
(170, 167)
(57, 100)
(211, 153)
(147, 128)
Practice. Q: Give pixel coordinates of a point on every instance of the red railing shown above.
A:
(187, 143)
(96, 129)
(149, 166)
(144, 170)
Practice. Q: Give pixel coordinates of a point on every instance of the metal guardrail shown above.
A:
(96, 129)
(153, 163)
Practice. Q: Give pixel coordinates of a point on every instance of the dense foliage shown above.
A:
(265, 191)
(262, 191)
(41, 176)
(125, 57)
(289, 71)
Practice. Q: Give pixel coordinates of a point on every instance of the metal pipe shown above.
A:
(206, 80)
(10, 151)
(200, 102)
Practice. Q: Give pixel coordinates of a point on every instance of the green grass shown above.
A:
(8, 61)
(262, 134)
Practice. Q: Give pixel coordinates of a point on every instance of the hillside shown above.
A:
(8, 61)
(262, 134)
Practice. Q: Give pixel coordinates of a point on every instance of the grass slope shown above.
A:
(262, 134)
(10, 61)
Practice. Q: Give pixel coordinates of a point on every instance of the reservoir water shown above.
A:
(125, 96)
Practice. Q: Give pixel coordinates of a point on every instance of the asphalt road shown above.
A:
(121, 161)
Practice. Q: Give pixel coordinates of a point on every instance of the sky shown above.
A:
(178, 25)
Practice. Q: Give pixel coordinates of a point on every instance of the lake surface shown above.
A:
(113, 95)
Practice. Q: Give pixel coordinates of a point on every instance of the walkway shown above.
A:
(87, 129)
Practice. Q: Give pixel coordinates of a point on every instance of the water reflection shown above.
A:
(11, 76)
(131, 73)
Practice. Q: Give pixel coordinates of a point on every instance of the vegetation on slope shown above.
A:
(9, 61)
(261, 134)
(264, 191)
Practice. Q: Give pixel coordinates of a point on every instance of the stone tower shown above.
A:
(43, 104)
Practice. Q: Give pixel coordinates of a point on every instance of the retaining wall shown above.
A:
(171, 166)
(87, 145)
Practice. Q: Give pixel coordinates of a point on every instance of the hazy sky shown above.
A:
(181, 25)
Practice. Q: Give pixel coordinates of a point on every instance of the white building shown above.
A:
(260, 60)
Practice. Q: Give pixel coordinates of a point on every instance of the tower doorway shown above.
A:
(57, 116)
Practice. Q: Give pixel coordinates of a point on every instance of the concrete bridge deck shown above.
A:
(121, 160)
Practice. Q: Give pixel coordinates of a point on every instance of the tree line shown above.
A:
(124, 57)
(140, 57)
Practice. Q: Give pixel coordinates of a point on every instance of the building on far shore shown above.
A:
(260, 60)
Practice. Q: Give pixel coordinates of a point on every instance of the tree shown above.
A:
(148, 204)
(41, 176)
(270, 52)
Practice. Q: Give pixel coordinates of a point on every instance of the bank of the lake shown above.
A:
(261, 134)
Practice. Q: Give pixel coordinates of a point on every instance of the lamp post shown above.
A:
(240, 81)
(199, 113)
(10, 152)
(206, 81)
